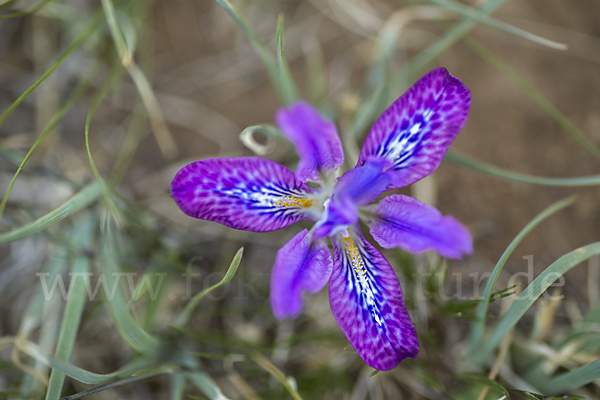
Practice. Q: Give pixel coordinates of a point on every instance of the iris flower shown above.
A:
(406, 144)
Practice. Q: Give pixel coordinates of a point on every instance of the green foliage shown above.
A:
(204, 346)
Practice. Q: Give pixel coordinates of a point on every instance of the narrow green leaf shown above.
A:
(127, 381)
(83, 36)
(482, 51)
(480, 166)
(185, 315)
(316, 75)
(127, 326)
(113, 78)
(204, 382)
(80, 374)
(479, 378)
(125, 49)
(288, 87)
(125, 54)
(478, 327)
(32, 10)
(82, 234)
(494, 23)
(86, 196)
(378, 98)
(73, 98)
(450, 37)
(261, 50)
(177, 386)
(7, 2)
(530, 295)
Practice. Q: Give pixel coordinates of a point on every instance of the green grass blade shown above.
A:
(482, 18)
(316, 75)
(482, 51)
(73, 98)
(86, 196)
(478, 327)
(80, 374)
(163, 136)
(206, 385)
(574, 379)
(261, 50)
(127, 326)
(83, 36)
(138, 377)
(7, 2)
(82, 234)
(32, 10)
(377, 100)
(531, 294)
(177, 386)
(462, 160)
(288, 87)
(268, 366)
(113, 78)
(185, 315)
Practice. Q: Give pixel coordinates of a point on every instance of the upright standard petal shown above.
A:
(367, 302)
(415, 132)
(246, 193)
(316, 139)
(361, 185)
(301, 265)
(401, 221)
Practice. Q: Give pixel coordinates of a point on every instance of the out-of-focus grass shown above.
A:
(144, 307)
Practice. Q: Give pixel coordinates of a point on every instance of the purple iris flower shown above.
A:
(407, 143)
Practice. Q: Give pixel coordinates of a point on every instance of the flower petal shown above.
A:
(401, 221)
(246, 193)
(357, 187)
(363, 184)
(301, 265)
(415, 132)
(367, 302)
(316, 139)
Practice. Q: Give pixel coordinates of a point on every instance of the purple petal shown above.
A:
(316, 139)
(339, 213)
(300, 265)
(364, 184)
(367, 302)
(415, 132)
(357, 187)
(246, 193)
(401, 221)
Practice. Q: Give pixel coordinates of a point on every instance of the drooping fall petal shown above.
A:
(245, 193)
(415, 132)
(301, 265)
(401, 221)
(367, 302)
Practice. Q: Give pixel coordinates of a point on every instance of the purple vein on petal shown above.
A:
(415, 132)
(401, 221)
(245, 193)
(367, 302)
(301, 265)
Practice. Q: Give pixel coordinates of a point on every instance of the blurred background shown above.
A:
(153, 85)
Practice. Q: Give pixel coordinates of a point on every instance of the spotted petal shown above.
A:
(415, 132)
(301, 265)
(246, 193)
(367, 302)
(401, 221)
(315, 138)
